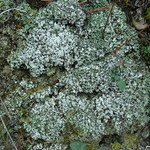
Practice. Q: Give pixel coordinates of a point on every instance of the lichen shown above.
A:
(57, 42)
(55, 47)
(85, 95)
(69, 12)
(108, 111)
(53, 147)
(116, 33)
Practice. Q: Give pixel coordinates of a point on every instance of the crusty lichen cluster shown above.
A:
(52, 46)
(50, 43)
(86, 95)
(53, 147)
(56, 42)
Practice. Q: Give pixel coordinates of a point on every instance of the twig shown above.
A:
(128, 40)
(5, 108)
(109, 15)
(114, 51)
(8, 134)
(83, 2)
(97, 9)
(10, 10)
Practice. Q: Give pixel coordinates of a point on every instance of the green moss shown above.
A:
(146, 50)
(148, 13)
(130, 142)
(53, 71)
(91, 147)
(116, 146)
(127, 2)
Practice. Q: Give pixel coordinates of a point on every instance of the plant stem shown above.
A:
(10, 10)
(8, 133)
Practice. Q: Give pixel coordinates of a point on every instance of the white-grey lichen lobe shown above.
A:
(52, 46)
